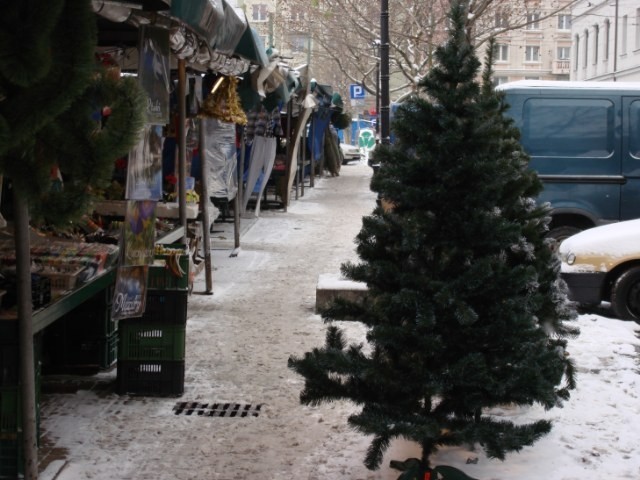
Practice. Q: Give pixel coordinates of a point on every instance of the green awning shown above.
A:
(204, 17)
(230, 30)
(251, 47)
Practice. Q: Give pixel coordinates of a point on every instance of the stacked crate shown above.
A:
(151, 348)
(85, 339)
(11, 448)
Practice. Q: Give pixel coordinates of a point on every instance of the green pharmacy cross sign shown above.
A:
(367, 139)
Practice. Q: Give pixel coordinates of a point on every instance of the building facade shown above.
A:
(606, 40)
(541, 50)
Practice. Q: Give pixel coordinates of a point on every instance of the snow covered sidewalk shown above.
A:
(238, 342)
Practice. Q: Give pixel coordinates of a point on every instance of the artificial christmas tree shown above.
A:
(465, 309)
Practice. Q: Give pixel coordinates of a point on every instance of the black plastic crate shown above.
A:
(9, 362)
(11, 449)
(164, 378)
(166, 306)
(11, 456)
(93, 317)
(8, 365)
(69, 354)
(40, 291)
(8, 332)
(150, 342)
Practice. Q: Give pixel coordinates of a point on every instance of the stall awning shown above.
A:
(204, 17)
(230, 31)
(251, 47)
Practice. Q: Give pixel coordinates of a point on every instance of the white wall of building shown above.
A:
(606, 40)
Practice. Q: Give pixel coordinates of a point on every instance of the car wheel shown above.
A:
(625, 295)
(559, 234)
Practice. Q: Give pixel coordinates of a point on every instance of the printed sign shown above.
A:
(356, 91)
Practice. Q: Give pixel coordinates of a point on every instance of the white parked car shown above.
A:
(350, 153)
(602, 264)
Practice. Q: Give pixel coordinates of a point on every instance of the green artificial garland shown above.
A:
(100, 127)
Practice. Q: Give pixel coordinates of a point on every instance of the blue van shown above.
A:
(584, 142)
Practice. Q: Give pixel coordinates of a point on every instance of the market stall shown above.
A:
(161, 43)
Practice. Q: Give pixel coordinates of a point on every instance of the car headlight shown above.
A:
(570, 258)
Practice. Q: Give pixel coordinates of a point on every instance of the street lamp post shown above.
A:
(384, 72)
(376, 54)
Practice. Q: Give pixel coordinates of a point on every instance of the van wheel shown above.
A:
(625, 295)
(559, 234)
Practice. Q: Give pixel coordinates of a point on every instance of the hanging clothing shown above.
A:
(263, 154)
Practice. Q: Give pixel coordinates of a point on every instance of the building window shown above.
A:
(259, 12)
(637, 28)
(607, 34)
(532, 53)
(564, 53)
(502, 19)
(297, 15)
(500, 80)
(596, 43)
(533, 21)
(564, 22)
(585, 58)
(501, 52)
(576, 56)
(625, 26)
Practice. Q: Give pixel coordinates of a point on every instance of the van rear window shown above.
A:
(555, 127)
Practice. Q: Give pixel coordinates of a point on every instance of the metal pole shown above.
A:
(204, 207)
(25, 337)
(384, 72)
(289, 153)
(313, 153)
(239, 192)
(376, 49)
(182, 146)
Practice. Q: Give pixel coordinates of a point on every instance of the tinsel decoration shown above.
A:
(224, 103)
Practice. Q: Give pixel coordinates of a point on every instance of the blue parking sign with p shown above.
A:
(356, 91)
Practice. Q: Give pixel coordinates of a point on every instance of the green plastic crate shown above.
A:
(11, 459)
(162, 278)
(151, 342)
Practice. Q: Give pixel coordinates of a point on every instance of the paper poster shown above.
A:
(154, 73)
(139, 232)
(144, 170)
(130, 293)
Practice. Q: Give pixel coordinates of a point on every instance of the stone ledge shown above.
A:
(331, 286)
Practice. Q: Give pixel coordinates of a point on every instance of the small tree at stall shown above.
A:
(61, 114)
(465, 310)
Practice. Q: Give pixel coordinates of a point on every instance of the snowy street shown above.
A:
(238, 342)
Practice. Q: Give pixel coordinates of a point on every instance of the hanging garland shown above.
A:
(100, 127)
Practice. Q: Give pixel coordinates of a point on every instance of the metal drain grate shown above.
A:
(217, 409)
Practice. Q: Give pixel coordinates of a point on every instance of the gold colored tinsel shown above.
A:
(224, 104)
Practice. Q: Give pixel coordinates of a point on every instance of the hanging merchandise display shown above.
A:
(220, 158)
(223, 103)
(144, 180)
(154, 75)
(144, 168)
(260, 133)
